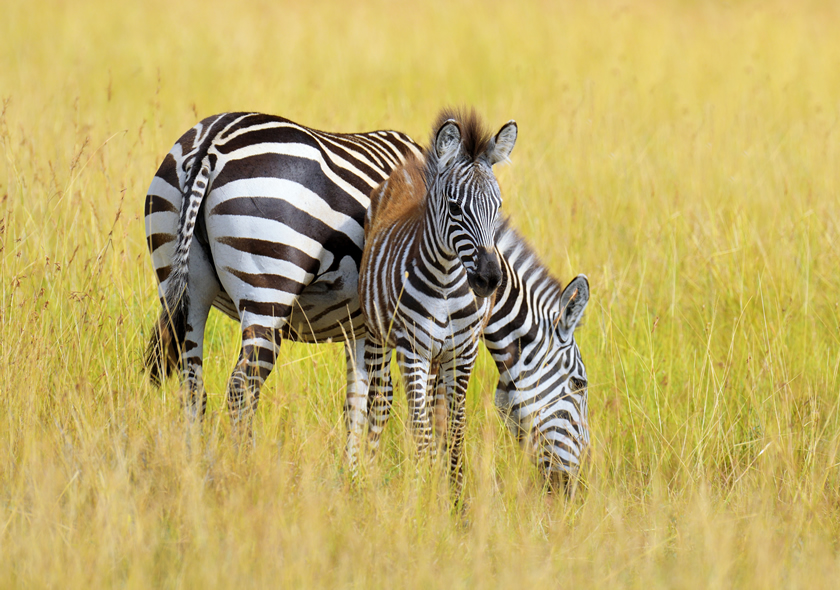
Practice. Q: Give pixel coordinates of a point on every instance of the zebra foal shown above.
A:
(428, 272)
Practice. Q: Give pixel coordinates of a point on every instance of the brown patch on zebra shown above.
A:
(163, 273)
(155, 241)
(168, 171)
(401, 197)
(158, 204)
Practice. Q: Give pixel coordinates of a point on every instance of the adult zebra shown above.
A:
(277, 210)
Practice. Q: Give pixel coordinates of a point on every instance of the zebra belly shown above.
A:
(319, 318)
(328, 308)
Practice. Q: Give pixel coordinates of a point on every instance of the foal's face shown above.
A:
(472, 199)
(469, 196)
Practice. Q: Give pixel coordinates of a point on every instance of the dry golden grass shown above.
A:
(683, 155)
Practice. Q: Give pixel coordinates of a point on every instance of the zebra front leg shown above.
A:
(415, 373)
(260, 346)
(437, 393)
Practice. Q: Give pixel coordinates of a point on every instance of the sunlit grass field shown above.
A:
(685, 156)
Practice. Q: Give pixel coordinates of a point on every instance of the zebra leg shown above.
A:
(381, 395)
(416, 371)
(260, 347)
(456, 376)
(356, 403)
(437, 393)
(203, 288)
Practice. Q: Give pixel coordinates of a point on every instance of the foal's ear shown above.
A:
(448, 140)
(573, 302)
(502, 145)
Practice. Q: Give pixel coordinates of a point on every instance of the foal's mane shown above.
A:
(475, 137)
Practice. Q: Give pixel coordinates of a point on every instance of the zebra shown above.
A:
(428, 272)
(276, 212)
(543, 388)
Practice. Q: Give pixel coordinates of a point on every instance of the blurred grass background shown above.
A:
(684, 155)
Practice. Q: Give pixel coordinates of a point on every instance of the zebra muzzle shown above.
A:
(487, 275)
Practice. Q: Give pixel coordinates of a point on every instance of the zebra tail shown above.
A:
(163, 353)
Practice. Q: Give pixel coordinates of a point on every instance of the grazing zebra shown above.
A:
(543, 389)
(277, 213)
(428, 269)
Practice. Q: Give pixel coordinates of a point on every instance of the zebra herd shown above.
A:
(265, 220)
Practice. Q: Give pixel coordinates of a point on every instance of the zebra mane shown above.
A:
(514, 247)
(475, 137)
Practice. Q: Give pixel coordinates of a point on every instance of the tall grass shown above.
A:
(683, 155)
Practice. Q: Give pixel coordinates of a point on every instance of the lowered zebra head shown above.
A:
(465, 195)
(560, 428)
(542, 388)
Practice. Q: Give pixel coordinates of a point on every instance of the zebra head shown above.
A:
(560, 426)
(465, 194)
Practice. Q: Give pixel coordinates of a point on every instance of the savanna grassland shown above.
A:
(685, 156)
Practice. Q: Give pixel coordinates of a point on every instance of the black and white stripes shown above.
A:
(542, 389)
(277, 211)
(276, 244)
(428, 268)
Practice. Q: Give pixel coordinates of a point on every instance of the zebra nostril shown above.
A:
(480, 285)
(494, 281)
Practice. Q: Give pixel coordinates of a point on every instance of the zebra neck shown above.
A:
(521, 322)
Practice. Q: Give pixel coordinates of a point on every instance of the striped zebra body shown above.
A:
(318, 185)
(276, 210)
(427, 274)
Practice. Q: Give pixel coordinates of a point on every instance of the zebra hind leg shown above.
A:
(194, 396)
(260, 347)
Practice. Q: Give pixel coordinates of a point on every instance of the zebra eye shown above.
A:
(454, 208)
(577, 384)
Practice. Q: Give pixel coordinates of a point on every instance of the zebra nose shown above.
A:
(480, 285)
(487, 275)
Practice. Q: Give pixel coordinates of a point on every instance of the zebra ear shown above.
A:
(447, 140)
(573, 302)
(502, 145)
